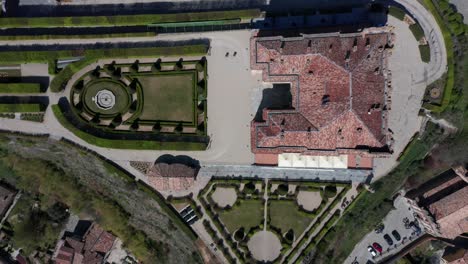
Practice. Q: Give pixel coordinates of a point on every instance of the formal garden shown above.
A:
(159, 101)
(270, 221)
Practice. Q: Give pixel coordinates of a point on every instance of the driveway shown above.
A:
(393, 221)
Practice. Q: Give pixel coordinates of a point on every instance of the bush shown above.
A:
(417, 31)
(425, 52)
(396, 12)
(239, 234)
(249, 188)
(330, 191)
(282, 189)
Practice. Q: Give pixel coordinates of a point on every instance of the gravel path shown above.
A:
(309, 200)
(265, 246)
(224, 196)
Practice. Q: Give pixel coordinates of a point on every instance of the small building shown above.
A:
(175, 177)
(91, 248)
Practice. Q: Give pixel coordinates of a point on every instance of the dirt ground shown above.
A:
(309, 200)
(224, 196)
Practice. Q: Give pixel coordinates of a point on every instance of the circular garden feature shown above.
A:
(106, 97)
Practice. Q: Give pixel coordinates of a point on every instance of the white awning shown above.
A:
(307, 161)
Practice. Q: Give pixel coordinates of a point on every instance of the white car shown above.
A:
(372, 251)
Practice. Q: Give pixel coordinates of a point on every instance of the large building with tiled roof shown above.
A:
(338, 84)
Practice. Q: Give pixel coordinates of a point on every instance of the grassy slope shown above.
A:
(92, 188)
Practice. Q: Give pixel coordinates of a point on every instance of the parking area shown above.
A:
(395, 220)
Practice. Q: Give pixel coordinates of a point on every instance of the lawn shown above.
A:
(20, 108)
(285, 215)
(20, 88)
(248, 214)
(168, 97)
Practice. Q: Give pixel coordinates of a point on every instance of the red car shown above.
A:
(377, 247)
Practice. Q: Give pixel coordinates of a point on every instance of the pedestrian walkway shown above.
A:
(252, 171)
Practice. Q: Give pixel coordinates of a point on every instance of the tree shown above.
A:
(157, 65)
(239, 234)
(282, 189)
(179, 65)
(249, 187)
(136, 65)
(289, 236)
(157, 127)
(330, 191)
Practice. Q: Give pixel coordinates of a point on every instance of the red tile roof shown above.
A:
(98, 240)
(450, 204)
(338, 93)
(176, 177)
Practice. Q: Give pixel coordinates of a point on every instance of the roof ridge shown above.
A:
(364, 124)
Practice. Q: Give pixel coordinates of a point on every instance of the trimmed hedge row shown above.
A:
(61, 79)
(123, 20)
(396, 12)
(417, 31)
(20, 88)
(124, 144)
(88, 36)
(425, 52)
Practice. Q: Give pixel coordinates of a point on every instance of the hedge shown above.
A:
(417, 31)
(20, 108)
(396, 12)
(124, 20)
(60, 80)
(86, 36)
(20, 88)
(425, 52)
(124, 144)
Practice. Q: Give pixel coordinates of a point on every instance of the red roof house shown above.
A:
(338, 88)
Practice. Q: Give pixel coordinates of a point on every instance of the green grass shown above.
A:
(124, 144)
(124, 20)
(449, 85)
(417, 31)
(425, 52)
(396, 12)
(168, 97)
(60, 80)
(20, 108)
(20, 88)
(285, 215)
(248, 214)
(89, 36)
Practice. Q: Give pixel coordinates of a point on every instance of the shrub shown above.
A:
(396, 12)
(249, 187)
(425, 52)
(330, 191)
(417, 31)
(282, 189)
(239, 234)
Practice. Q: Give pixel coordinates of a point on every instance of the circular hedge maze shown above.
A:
(163, 98)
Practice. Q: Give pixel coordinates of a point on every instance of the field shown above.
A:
(285, 215)
(248, 214)
(168, 97)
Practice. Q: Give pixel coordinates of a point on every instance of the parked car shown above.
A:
(415, 226)
(372, 251)
(388, 239)
(379, 228)
(377, 247)
(396, 235)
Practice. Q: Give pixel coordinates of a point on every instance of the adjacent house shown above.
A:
(91, 248)
(7, 195)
